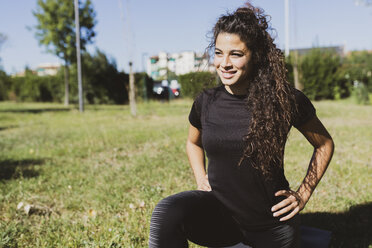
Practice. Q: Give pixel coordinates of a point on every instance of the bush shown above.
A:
(144, 85)
(102, 82)
(193, 83)
(360, 93)
(38, 89)
(358, 67)
(5, 83)
(319, 74)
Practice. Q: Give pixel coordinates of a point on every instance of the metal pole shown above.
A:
(286, 12)
(296, 74)
(145, 78)
(132, 100)
(77, 24)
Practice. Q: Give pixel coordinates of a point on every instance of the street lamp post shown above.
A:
(132, 100)
(286, 13)
(80, 86)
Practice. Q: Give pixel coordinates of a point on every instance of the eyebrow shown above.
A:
(232, 51)
(236, 50)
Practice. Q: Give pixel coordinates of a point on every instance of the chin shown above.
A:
(228, 82)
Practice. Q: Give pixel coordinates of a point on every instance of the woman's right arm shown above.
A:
(195, 154)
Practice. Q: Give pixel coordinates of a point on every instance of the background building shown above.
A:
(340, 50)
(47, 69)
(167, 65)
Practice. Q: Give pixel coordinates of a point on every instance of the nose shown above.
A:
(225, 63)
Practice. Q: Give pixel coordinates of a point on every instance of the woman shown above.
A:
(243, 126)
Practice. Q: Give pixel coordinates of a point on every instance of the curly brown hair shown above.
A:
(271, 98)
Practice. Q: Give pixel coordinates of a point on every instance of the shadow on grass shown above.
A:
(13, 169)
(7, 127)
(352, 228)
(34, 111)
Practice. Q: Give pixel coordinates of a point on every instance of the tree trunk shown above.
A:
(67, 79)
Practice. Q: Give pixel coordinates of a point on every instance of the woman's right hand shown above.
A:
(203, 184)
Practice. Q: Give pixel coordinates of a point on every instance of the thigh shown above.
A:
(208, 222)
(283, 236)
(203, 218)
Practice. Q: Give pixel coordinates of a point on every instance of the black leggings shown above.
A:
(199, 217)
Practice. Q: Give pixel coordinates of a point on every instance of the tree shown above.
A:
(363, 2)
(34, 88)
(359, 67)
(319, 73)
(56, 30)
(2, 40)
(5, 84)
(103, 83)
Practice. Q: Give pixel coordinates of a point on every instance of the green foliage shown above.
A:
(2, 40)
(56, 30)
(194, 82)
(325, 75)
(56, 26)
(289, 67)
(102, 82)
(5, 83)
(360, 93)
(358, 67)
(33, 88)
(144, 85)
(319, 74)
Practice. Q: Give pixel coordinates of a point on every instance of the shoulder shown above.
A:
(198, 107)
(305, 110)
(206, 94)
(300, 97)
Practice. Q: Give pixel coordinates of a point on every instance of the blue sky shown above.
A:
(174, 26)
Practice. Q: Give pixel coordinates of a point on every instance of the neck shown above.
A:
(237, 89)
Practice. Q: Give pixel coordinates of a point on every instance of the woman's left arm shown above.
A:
(318, 136)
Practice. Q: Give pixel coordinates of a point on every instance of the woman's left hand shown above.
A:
(291, 205)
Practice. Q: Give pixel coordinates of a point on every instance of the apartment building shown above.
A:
(163, 65)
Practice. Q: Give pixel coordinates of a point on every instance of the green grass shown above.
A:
(102, 172)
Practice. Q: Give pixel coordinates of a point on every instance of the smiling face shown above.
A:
(232, 62)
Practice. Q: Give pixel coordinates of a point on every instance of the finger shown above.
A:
(286, 209)
(283, 192)
(207, 183)
(207, 186)
(283, 203)
(293, 213)
(203, 188)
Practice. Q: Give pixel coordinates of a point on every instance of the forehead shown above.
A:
(229, 41)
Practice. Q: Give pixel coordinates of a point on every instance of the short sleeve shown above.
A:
(306, 109)
(195, 113)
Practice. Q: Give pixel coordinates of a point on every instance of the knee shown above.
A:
(169, 210)
(167, 221)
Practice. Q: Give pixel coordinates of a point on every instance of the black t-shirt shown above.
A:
(223, 120)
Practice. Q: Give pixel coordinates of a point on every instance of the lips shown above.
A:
(228, 74)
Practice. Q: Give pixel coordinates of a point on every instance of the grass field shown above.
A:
(93, 179)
